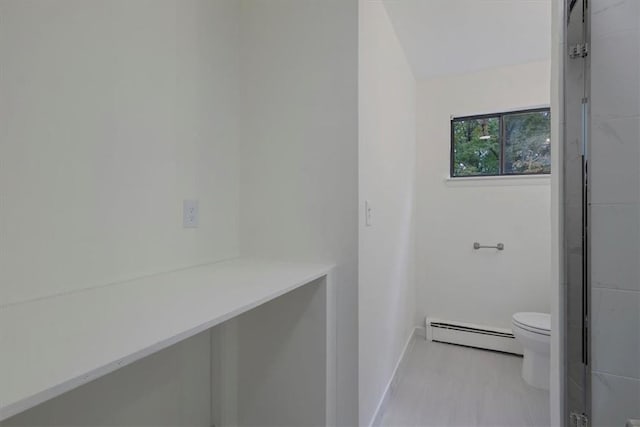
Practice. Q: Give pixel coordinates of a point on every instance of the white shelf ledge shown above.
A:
(52, 345)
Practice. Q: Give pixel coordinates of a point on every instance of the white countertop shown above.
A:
(52, 345)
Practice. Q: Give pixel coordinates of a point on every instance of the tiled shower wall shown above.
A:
(615, 211)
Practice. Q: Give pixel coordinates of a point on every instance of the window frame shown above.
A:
(500, 116)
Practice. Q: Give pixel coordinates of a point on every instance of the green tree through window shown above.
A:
(516, 143)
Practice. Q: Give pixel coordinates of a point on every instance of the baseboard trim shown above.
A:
(395, 377)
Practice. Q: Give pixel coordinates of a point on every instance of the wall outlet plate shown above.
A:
(190, 214)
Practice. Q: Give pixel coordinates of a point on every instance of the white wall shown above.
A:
(444, 37)
(169, 388)
(269, 365)
(106, 133)
(387, 148)
(299, 151)
(281, 364)
(113, 112)
(454, 281)
(615, 211)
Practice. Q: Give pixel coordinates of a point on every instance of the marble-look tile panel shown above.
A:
(614, 400)
(615, 67)
(615, 332)
(615, 246)
(615, 160)
(610, 16)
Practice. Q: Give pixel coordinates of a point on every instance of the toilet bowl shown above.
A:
(533, 331)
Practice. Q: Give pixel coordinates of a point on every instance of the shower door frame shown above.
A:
(576, 196)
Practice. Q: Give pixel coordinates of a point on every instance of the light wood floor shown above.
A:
(446, 385)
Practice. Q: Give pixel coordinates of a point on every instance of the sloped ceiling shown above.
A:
(442, 37)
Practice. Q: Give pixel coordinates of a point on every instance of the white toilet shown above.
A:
(533, 331)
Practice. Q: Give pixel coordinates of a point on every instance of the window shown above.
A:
(514, 143)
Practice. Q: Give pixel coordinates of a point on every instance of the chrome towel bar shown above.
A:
(499, 246)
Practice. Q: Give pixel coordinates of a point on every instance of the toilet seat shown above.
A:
(538, 323)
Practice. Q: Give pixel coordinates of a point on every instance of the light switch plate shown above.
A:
(190, 214)
(367, 214)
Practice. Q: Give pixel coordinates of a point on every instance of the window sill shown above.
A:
(502, 180)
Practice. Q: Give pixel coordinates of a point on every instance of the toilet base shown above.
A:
(535, 369)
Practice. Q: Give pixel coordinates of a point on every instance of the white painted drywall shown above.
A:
(444, 37)
(454, 281)
(284, 385)
(387, 158)
(168, 388)
(299, 151)
(113, 112)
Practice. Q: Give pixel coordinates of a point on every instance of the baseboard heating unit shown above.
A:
(471, 335)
